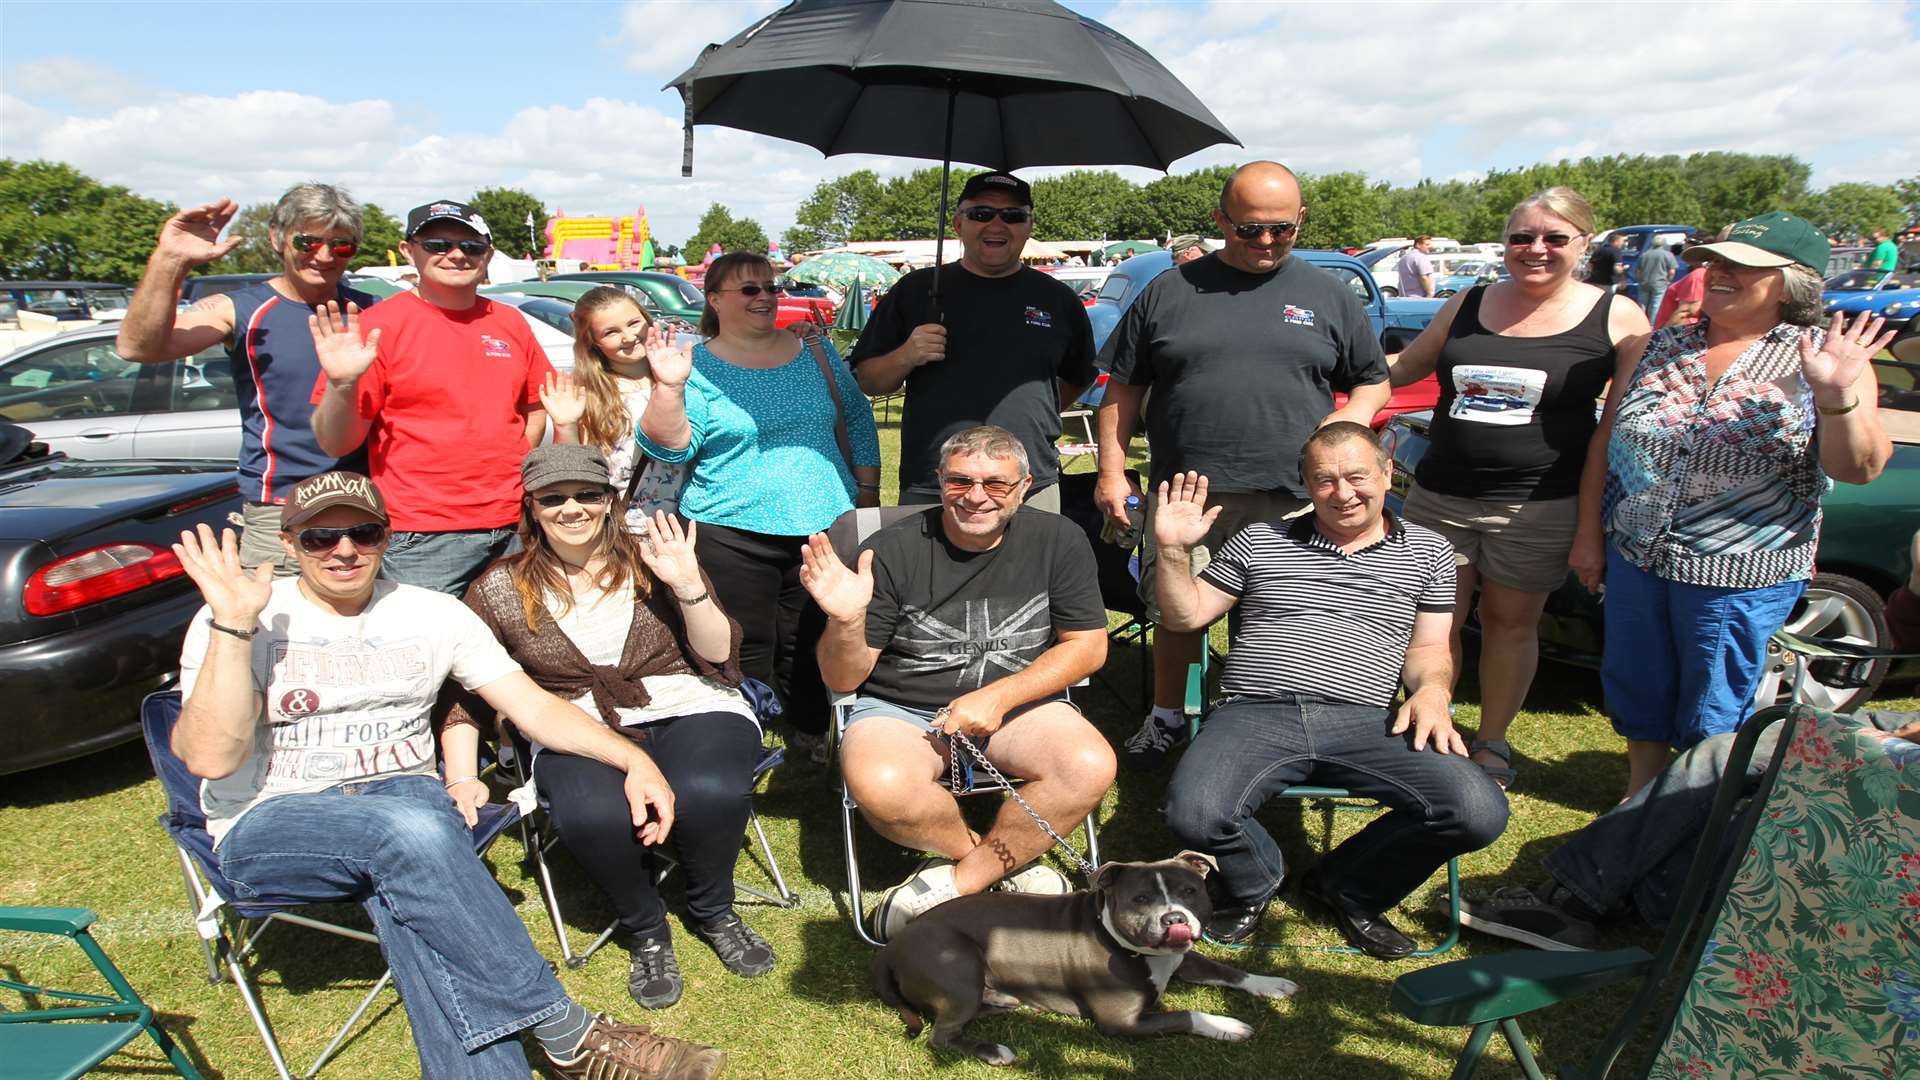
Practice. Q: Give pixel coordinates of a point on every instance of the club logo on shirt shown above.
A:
(1039, 317)
(498, 348)
(1298, 316)
(299, 703)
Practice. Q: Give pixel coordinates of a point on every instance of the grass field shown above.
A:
(84, 834)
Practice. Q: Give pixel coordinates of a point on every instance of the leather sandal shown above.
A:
(1504, 775)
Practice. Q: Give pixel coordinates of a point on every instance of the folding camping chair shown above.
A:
(65, 1042)
(231, 928)
(539, 837)
(1328, 801)
(847, 534)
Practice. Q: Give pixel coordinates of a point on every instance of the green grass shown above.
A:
(84, 834)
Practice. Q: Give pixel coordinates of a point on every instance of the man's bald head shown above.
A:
(1259, 181)
(1260, 193)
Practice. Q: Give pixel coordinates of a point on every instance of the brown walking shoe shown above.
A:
(616, 1051)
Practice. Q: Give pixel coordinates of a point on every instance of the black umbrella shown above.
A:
(1000, 83)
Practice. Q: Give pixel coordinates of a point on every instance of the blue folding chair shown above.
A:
(231, 928)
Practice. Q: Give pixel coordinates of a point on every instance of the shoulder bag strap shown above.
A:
(839, 411)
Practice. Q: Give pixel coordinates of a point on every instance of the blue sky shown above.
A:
(406, 102)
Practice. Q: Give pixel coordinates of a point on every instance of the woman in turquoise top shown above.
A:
(750, 410)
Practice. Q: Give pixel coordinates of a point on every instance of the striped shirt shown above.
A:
(1318, 620)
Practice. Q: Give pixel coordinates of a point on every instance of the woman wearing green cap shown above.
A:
(1716, 447)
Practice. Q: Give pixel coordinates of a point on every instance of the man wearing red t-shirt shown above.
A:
(444, 388)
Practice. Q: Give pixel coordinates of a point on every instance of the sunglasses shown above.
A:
(309, 244)
(1252, 229)
(750, 290)
(1012, 215)
(1554, 240)
(440, 245)
(365, 536)
(584, 498)
(995, 489)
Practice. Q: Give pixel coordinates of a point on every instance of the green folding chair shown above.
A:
(68, 1041)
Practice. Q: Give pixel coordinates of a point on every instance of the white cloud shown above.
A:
(73, 80)
(659, 37)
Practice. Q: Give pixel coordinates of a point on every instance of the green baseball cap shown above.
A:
(1776, 239)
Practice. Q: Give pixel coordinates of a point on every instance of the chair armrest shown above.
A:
(1510, 984)
(65, 921)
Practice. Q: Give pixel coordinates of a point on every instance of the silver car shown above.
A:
(76, 394)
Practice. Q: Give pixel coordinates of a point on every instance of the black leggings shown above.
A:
(756, 577)
(708, 760)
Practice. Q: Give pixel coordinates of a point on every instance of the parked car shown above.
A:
(1891, 294)
(1842, 259)
(1465, 275)
(1639, 237)
(1863, 557)
(1085, 280)
(205, 285)
(93, 603)
(673, 296)
(80, 397)
(1397, 321)
(799, 300)
(67, 301)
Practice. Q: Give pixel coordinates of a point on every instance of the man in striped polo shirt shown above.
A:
(1339, 609)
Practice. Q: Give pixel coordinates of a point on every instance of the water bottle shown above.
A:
(1128, 537)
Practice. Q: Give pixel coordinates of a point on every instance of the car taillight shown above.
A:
(99, 574)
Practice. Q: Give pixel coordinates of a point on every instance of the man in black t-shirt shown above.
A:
(970, 619)
(1243, 350)
(1010, 346)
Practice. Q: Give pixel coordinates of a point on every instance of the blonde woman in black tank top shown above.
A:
(1521, 365)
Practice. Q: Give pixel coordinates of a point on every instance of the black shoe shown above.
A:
(1150, 747)
(1235, 925)
(744, 952)
(653, 975)
(1539, 917)
(1371, 934)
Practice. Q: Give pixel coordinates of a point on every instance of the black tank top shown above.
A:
(1515, 413)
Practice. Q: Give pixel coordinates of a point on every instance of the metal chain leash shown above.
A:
(960, 787)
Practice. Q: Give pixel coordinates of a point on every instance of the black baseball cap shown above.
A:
(1003, 182)
(446, 210)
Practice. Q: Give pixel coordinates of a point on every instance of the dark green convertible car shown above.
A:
(1864, 555)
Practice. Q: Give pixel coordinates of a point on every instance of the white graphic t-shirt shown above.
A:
(1490, 394)
(347, 697)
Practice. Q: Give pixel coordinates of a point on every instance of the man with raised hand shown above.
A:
(315, 229)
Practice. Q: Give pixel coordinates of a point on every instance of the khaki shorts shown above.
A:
(1238, 510)
(1520, 545)
(260, 540)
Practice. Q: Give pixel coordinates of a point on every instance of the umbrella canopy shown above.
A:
(1129, 247)
(841, 269)
(1001, 83)
(853, 310)
(1038, 250)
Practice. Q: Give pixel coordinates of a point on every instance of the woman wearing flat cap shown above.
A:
(627, 628)
(1719, 443)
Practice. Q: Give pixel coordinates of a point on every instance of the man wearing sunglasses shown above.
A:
(1008, 345)
(970, 619)
(315, 229)
(443, 387)
(1243, 353)
(307, 716)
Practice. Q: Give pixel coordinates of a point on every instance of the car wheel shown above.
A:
(1835, 607)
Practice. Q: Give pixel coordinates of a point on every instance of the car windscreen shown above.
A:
(555, 313)
(690, 293)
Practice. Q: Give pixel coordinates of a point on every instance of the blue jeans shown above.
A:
(465, 968)
(1641, 850)
(1681, 661)
(445, 561)
(1250, 748)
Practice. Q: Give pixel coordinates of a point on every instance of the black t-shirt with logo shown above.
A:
(1242, 367)
(949, 621)
(1011, 342)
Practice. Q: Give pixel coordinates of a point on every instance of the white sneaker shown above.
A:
(925, 889)
(1038, 879)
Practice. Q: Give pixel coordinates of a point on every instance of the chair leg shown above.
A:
(252, 1003)
(550, 899)
(1092, 825)
(196, 900)
(1522, 1054)
(1453, 913)
(1476, 1046)
(125, 991)
(346, 1028)
(787, 898)
(856, 904)
(580, 960)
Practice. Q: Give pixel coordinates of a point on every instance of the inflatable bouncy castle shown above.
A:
(603, 243)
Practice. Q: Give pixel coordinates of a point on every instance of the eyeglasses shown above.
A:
(440, 245)
(1251, 230)
(593, 497)
(750, 290)
(1555, 240)
(1012, 215)
(341, 248)
(365, 536)
(996, 489)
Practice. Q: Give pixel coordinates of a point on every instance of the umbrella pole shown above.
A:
(940, 226)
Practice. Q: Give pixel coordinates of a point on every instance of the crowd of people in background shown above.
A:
(642, 549)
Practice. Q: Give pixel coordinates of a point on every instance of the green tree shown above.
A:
(1089, 205)
(1853, 210)
(255, 255)
(1429, 209)
(1343, 210)
(1735, 186)
(1184, 203)
(832, 214)
(719, 226)
(57, 222)
(909, 204)
(1908, 191)
(379, 234)
(506, 211)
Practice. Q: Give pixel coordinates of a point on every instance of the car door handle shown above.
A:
(99, 434)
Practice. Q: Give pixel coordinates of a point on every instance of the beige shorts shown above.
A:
(260, 540)
(1238, 510)
(1520, 545)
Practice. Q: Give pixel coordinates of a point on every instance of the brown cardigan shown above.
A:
(656, 645)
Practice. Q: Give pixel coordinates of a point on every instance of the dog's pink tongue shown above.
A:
(1179, 934)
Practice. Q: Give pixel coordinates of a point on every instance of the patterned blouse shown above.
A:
(1717, 485)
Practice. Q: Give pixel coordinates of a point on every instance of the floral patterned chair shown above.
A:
(1813, 966)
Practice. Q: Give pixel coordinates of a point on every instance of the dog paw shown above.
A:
(1224, 1028)
(997, 1054)
(1270, 986)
